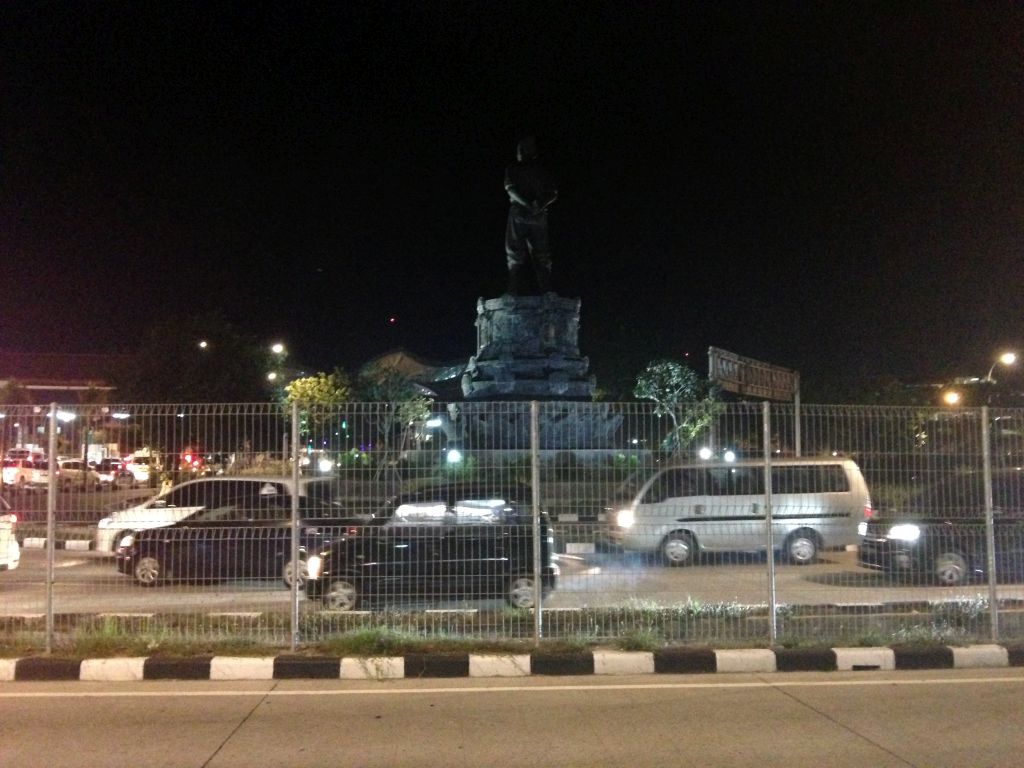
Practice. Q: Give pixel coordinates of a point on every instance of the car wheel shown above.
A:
(341, 595)
(520, 592)
(950, 569)
(288, 573)
(679, 549)
(801, 547)
(148, 571)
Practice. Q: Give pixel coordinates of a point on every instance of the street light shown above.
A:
(277, 349)
(951, 397)
(1007, 358)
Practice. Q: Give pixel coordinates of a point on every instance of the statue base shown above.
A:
(528, 349)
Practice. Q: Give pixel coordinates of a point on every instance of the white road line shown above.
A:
(390, 691)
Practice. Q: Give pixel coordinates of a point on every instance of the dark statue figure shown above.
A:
(531, 190)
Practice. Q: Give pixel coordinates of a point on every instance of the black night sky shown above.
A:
(832, 187)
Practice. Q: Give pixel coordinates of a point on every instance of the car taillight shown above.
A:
(868, 511)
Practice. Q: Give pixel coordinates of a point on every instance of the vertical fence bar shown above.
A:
(51, 511)
(770, 556)
(796, 417)
(296, 566)
(990, 531)
(538, 592)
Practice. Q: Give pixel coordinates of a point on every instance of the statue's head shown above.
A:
(527, 149)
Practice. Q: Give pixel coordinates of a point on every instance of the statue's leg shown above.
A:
(542, 269)
(515, 251)
(539, 252)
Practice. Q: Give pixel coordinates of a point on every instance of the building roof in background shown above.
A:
(58, 371)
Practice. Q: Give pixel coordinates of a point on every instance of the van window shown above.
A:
(828, 478)
(737, 481)
(677, 483)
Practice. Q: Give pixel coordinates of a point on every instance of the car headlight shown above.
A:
(625, 518)
(126, 541)
(905, 532)
(313, 565)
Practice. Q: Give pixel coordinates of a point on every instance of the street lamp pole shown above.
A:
(1007, 358)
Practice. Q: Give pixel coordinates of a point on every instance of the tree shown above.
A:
(171, 367)
(680, 393)
(317, 398)
(322, 389)
(400, 405)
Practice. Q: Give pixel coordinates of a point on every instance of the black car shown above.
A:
(443, 541)
(941, 535)
(240, 537)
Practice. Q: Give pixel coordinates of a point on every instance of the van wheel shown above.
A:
(950, 569)
(801, 547)
(679, 549)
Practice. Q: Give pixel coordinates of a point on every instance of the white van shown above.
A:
(187, 498)
(685, 509)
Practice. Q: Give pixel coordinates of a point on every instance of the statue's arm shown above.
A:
(515, 197)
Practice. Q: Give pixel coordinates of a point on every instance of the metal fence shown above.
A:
(631, 523)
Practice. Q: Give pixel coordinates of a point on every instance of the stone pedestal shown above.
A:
(528, 349)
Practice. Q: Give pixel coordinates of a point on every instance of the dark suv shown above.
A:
(241, 536)
(941, 535)
(440, 542)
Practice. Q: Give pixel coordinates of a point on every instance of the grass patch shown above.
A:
(638, 625)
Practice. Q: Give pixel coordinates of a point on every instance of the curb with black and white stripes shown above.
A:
(669, 661)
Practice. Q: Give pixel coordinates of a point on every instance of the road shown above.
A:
(843, 720)
(86, 582)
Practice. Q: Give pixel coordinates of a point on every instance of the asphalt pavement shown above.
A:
(924, 719)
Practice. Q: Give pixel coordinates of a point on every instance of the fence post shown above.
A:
(296, 565)
(538, 592)
(770, 556)
(51, 510)
(990, 529)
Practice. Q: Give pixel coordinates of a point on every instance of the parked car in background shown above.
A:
(440, 542)
(144, 470)
(10, 552)
(941, 537)
(184, 500)
(112, 472)
(75, 473)
(683, 510)
(248, 536)
(26, 474)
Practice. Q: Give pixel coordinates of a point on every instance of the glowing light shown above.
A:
(705, 453)
(272, 376)
(729, 456)
(277, 348)
(454, 456)
(203, 344)
(951, 397)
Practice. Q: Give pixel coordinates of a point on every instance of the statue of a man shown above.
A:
(531, 191)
